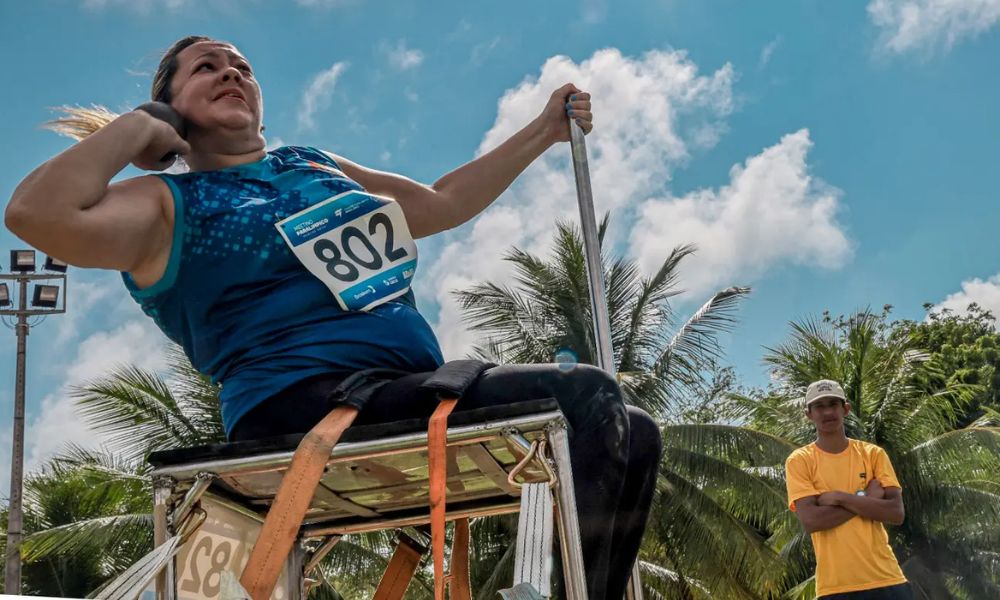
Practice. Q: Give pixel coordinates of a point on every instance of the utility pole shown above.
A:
(44, 302)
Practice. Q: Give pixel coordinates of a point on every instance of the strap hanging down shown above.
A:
(459, 582)
(437, 463)
(533, 555)
(281, 526)
(399, 573)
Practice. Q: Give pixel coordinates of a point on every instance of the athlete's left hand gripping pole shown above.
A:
(595, 275)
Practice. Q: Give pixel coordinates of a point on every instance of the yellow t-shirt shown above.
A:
(855, 555)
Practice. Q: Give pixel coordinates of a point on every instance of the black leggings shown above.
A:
(614, 449)
(892, 592)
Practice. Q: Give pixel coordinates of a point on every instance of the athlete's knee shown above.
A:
(645, 439)
(598, 408)
(596, 384)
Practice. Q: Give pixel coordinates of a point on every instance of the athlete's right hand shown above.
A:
(163, 144)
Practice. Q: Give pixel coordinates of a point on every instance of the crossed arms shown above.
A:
(830, 509)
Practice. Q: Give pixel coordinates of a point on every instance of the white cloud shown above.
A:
(768, 51)
(651, 112)
(84, 296)
(984, 293)
(772, 212)
(401, 57)
(929, 25)
(136, 342)
(318, 94)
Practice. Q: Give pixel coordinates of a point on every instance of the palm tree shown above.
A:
(950, 474)
(717, 504)
(82, 512)
(547, 316)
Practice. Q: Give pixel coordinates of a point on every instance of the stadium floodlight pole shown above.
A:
(45, 301)
(595, 275)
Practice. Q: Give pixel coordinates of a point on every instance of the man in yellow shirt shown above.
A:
(842, 491)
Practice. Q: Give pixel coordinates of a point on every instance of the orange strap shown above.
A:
(437, 462)
(400, 571)
(461, 588)
(281, 526)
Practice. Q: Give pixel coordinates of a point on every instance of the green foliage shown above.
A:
(964, 348)
(89, 512)
(76, 519)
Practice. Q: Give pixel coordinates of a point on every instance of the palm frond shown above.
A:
(101, 535)
(645, 315)
(136, 412)
(695, 348)
(734, 444)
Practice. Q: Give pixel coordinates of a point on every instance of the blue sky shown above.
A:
(832, 155)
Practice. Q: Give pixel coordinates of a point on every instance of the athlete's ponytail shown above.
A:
(80, 122)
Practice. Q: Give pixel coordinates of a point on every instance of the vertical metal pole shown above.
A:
(595, 274)
(295, 569)
(569, 524)
(592, 249)
(163, 489)
(15, 518)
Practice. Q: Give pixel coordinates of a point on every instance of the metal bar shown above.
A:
(201, 483)
(397, 505)
(352, 450)
(394, 490)
(163, 488)
(569, 524)
(320, 553)
(592, 249)
(295, 567)
(595, 274)
(33, 312)
(634, 589)
(363, 527)
(31, 276)
(394, 448)
(520, 441)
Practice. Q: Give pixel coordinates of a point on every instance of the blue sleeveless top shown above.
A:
(246, 311)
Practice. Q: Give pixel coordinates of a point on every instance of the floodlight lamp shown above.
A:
(22, 261)
(4, 295)
(46, 296)
(55, 265)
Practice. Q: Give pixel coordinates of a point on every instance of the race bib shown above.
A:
(357, 244)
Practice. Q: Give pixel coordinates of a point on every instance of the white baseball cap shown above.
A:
(824, 388)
